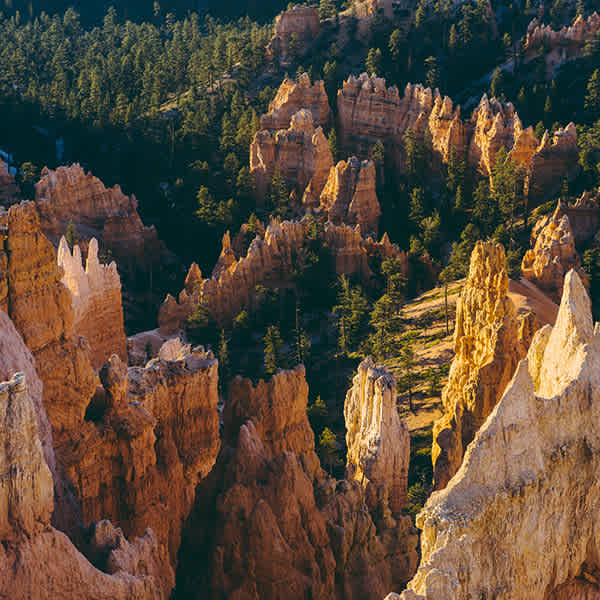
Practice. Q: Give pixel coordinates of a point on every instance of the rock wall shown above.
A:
(269, 262)
(368, 111)
(269, 523)
(8, 189)
(96, 301)
(584, 216)
(553, 254)
(300, 154)
(299, 23)
(36, 560)
(293, 96)
(349, 195)
(487, 349)
(377, 439)
(519, 518)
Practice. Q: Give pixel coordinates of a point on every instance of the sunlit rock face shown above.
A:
(518, 520)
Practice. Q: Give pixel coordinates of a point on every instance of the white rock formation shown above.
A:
(378, 440)
(520, 518)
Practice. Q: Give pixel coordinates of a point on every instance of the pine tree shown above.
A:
(333, 145)
(273, 351)
(328, 449)
(223, 356)
(71, 235)
(302, 340)
(373, 62)
(592, 98)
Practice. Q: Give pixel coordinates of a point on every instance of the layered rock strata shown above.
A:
(487, 349)
(377, 439)
(295, 31)
(553, 254)
(36, 560)
(300, 154)
(349, 195)
(293, 96)
(96, 301)
(269, 523)
(269, 262)
(518, 519)
(368, 112)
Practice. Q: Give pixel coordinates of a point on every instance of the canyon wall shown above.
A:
(300, 154)
(519, 518)
(293, 96)
(584, 216)
(487, 349)
(377, 439)
(349, 195)
(295, 31)
(552, 255)
(269, 522)
(96, 301)
(38, 561)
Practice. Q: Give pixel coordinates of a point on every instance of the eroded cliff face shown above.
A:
(96, 301)
(269, 261)
(70, 194)
(8, 189)
(269, 523)
(295, 31)
(349, 195)
(519, 518)
(368, 111)
(487, 348)
(293, 96)
(553, 254)
(377, 439)
(299, 153)
(36, 560)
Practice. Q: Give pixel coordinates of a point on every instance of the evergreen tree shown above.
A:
(592, 98)
(328, 449)
(273, 351)
(71, 235)
(374, 61)
(223, 356)
(333, 145)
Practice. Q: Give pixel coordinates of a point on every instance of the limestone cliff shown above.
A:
(295, 31)
(553, 254)
(377, 439)
(96, 301)
(36, 560)
(349, 195)
(487, 349)
(518, 519)
(269, 523)
(299, 153)
(293, 96)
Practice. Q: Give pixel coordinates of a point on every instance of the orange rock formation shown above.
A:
(349, 195)
(487, 349)
(295, 30)
(269, 523)
(96, 301)
(8, 188)
(291, 97)
(300, 154)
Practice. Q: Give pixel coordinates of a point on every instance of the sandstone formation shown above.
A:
(269, 262)
(584, 216)
(349, 195)
(293, 96)
(96, 301)
(562, 45)
(70, 194)
(295, 31)
(269, 523)
(300, 154)
(487, 349)
(553, 254)
(36, 560)
(368, 111)
(377, 439)
(518, 519)
(8, 188)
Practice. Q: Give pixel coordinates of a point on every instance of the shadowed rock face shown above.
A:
(519, 519)
(487, 347)
(269, 523)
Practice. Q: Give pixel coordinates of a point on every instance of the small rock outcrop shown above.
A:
(553, 254)
(8, 188)
(300, 154)
(295, 31)
(349, 195)
(487, 349)
(96, 301)
(293, 96)
(377, 439)
(518, 519)
(268, 521)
